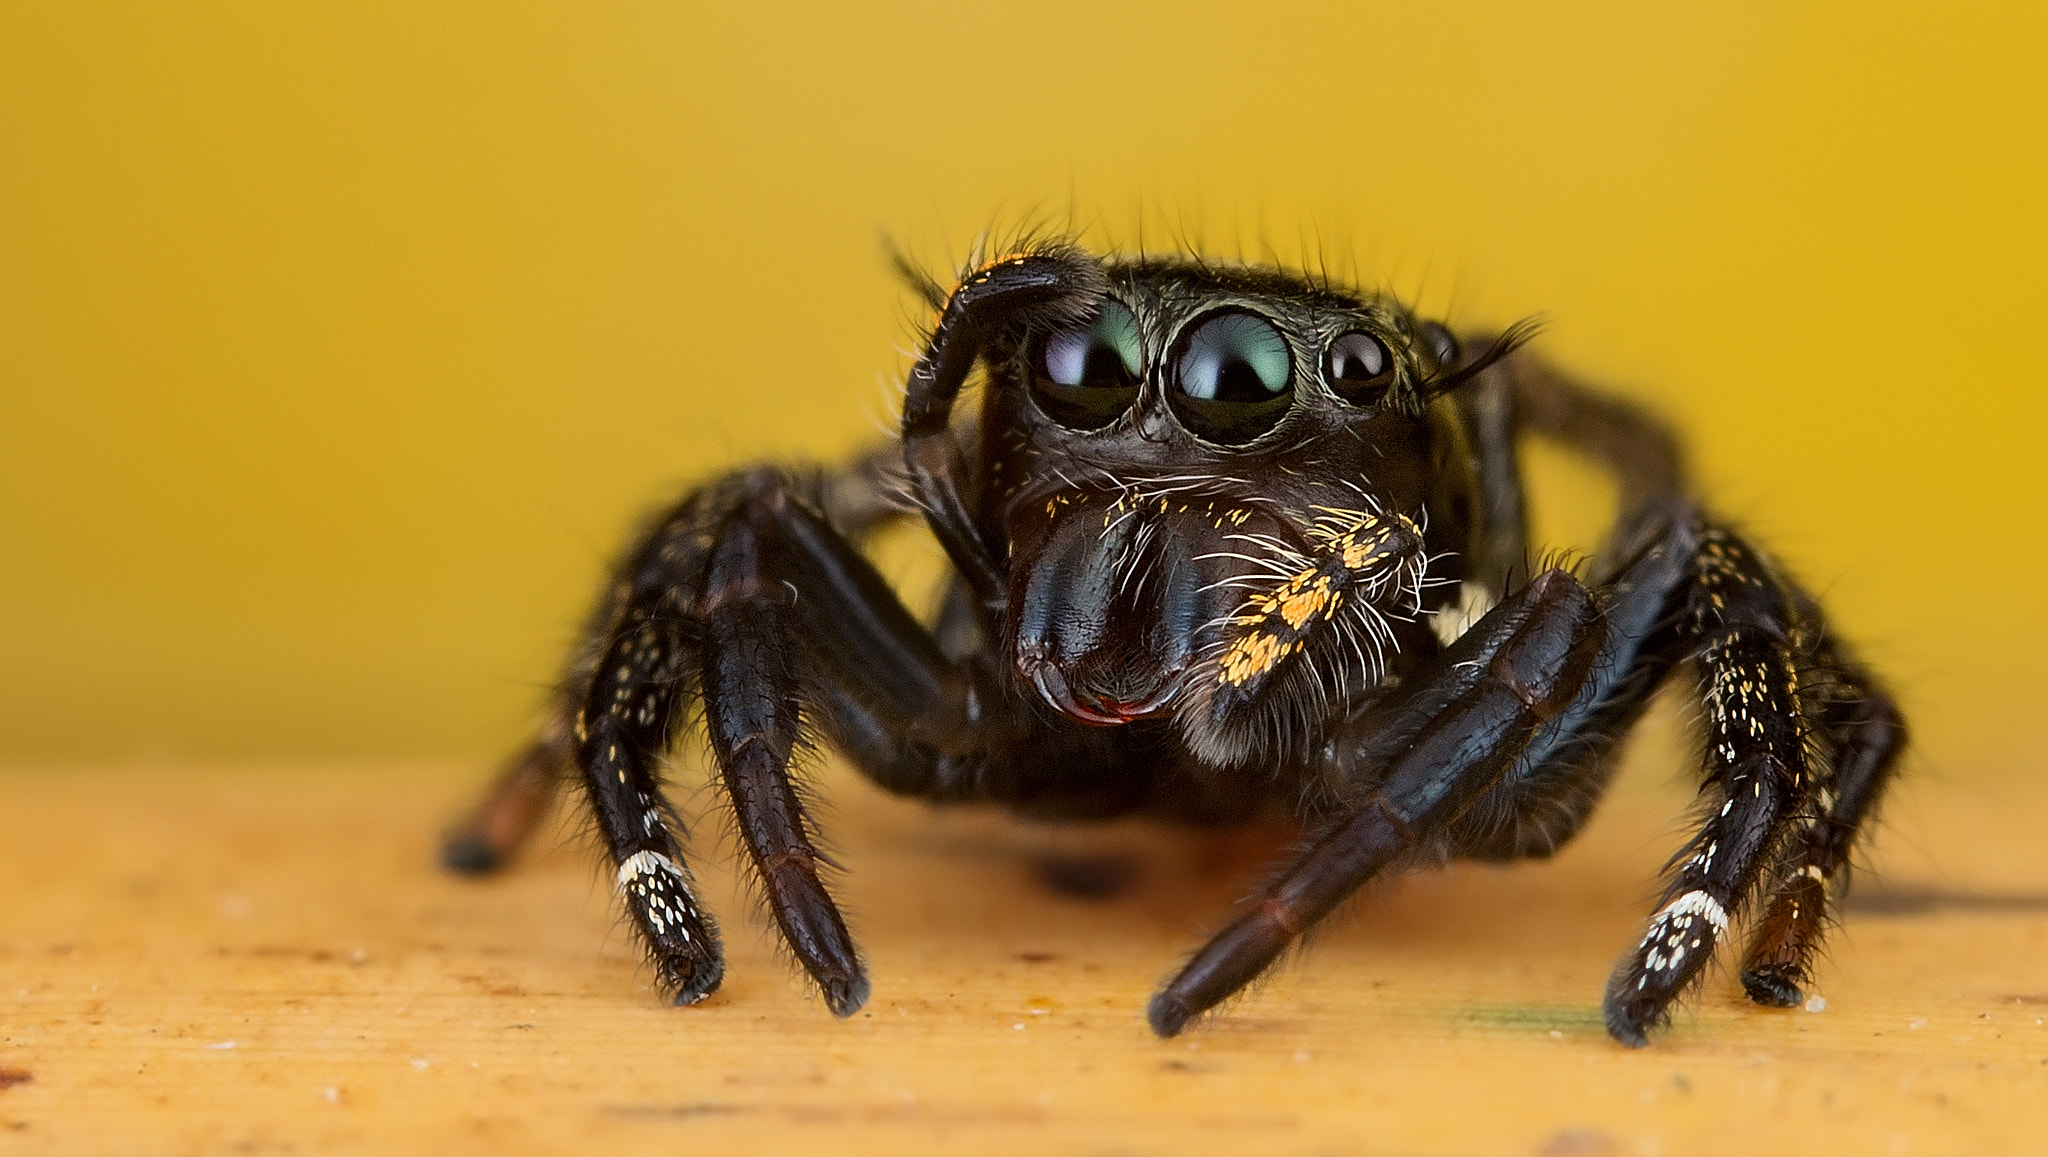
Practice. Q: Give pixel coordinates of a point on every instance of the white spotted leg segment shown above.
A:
(1756, 765)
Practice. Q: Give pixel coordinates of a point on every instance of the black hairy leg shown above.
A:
(1800, 744)
(736, 595)
(1541, 803)
(798, 631)
(1860, 733)
(668, 629)
(1414, 765)
(1778, 785)
(1804, 726)
(612, 735)
(857, 498)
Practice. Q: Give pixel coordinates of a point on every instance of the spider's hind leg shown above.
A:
(1783, 800)
(1801, 740)
(1859, 736)
(516, 801)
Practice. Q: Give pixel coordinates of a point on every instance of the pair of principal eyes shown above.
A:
(1232, 379)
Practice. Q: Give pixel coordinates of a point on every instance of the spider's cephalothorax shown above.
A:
(1225, 540)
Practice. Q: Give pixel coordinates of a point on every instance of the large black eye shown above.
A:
(1085, 376)
(1234, 379)
(1359, 368)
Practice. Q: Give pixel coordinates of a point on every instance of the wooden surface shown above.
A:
(266, 960)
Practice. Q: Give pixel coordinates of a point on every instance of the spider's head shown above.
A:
(1212, 492)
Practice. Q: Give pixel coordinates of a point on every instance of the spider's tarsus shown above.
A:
(845, 995)
(1168, 1015)
(697, 987)
(1771, 988)
(1630, 1021)
(468, 853)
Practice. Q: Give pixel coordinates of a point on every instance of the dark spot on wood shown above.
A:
(492, 988)
(1038, 957)
(1572, 1019)
(676, 1112)
(278, 952)
(1924, 901)
(12, 1077)
(1577, 1143)
(1097, 877)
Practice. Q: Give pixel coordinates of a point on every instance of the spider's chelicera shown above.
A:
(1224, 540)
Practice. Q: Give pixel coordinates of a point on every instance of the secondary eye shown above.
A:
(1359, 368)
(1085, 376)
(1444, 344)
(1234, 379)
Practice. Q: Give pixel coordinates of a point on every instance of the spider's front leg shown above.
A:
(857, 498)
(611, 718)
(746, 594)
(775, 613)
(1419, 761)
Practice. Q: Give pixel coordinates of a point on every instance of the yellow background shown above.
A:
(340, 342)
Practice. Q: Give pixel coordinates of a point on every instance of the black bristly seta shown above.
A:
(1223, 538)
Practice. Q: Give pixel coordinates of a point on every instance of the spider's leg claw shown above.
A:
(828, 956)
(845, 995)
(1772, 987)
(1168, 1014)
(693, 980)
(1630, 1019)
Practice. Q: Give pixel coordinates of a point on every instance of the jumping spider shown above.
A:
(1224, 539)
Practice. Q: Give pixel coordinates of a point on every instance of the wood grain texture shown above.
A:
(266, 960)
